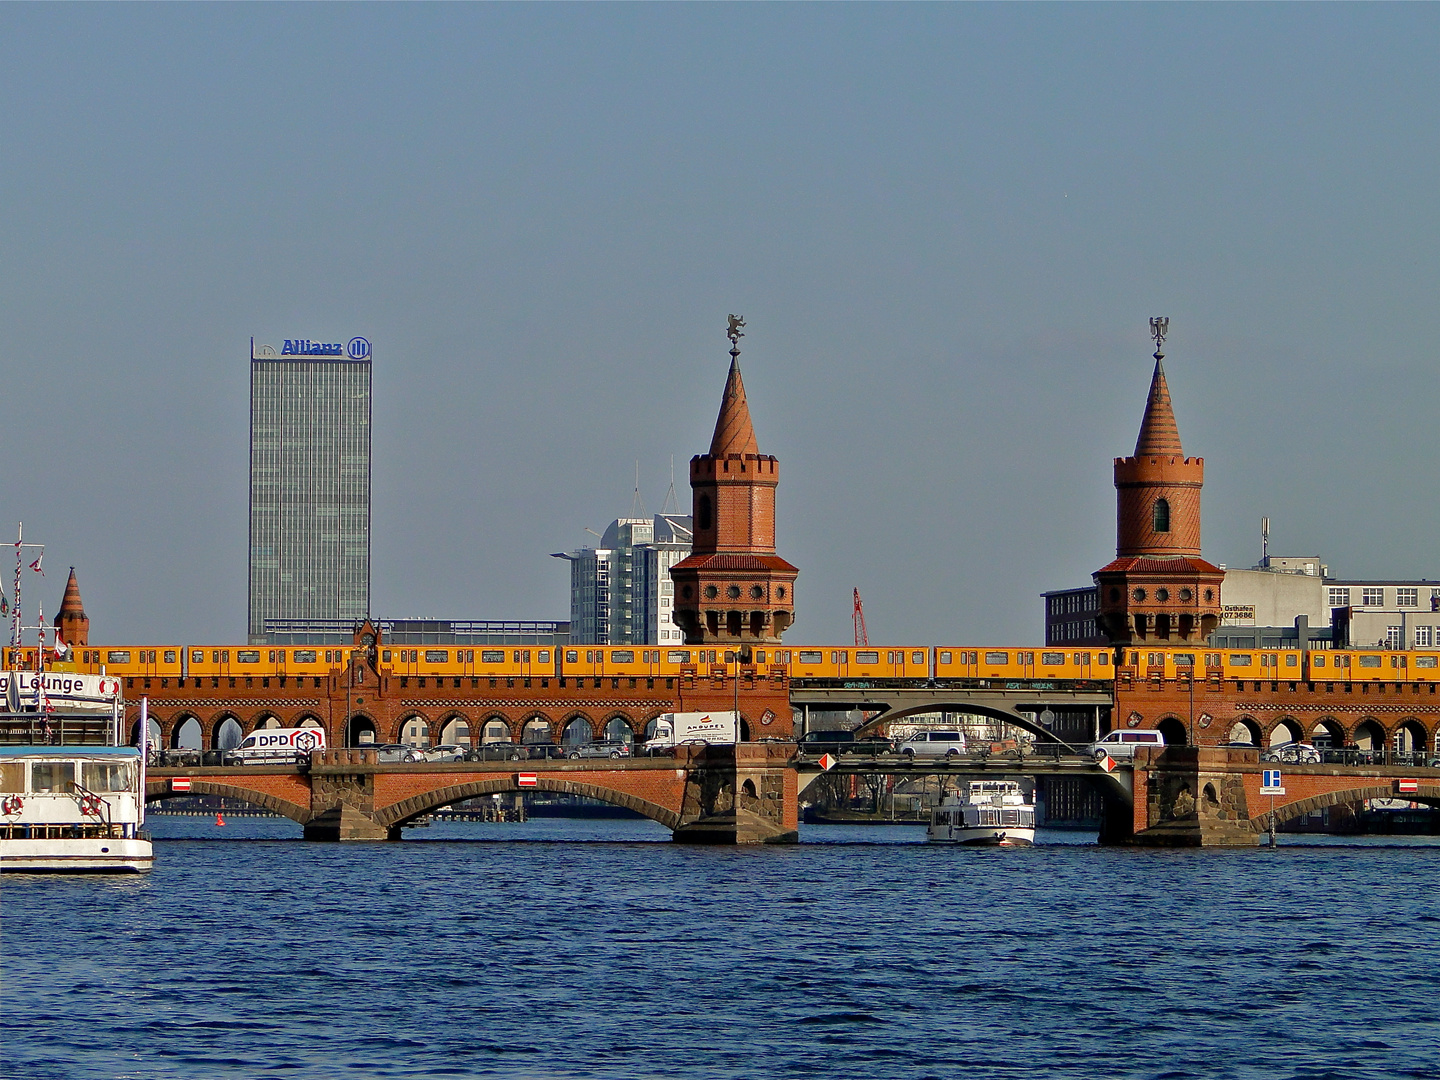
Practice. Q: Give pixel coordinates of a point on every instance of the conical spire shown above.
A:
(1159, 437)
(734, 433)
(71, 606)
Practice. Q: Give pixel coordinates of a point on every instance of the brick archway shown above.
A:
(275, 802)
(395, 815)
(1260, 818)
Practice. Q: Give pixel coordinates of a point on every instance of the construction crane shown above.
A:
(861, 637)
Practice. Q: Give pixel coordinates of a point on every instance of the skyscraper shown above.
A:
(309, 482)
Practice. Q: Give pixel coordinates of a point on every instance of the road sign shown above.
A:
(1407, 787)
(180, 783)
(527, 779)
(1107, 763)
(828, 762)
(1270, 783)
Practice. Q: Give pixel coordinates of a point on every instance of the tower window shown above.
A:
(1162, 516)
(702, 512)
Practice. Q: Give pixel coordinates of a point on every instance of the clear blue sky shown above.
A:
(946, 225)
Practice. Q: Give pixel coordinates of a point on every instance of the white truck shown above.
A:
(281, 746)
(677, 729)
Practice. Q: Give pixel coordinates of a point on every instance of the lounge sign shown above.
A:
(59, 685)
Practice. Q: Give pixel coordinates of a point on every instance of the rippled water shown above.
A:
(603, 950)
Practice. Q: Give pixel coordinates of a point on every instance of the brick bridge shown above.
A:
(749, 794)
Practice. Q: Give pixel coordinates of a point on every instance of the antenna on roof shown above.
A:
(672, 503)
(637, 505)
(1265, 542)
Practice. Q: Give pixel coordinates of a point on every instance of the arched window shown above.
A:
(1162, 515)
(702, 512)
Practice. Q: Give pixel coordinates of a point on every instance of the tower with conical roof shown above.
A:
(733, 588)
(71, 622)
(1158, 589)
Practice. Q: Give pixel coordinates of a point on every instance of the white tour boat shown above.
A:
(992, 813)
(71, 796)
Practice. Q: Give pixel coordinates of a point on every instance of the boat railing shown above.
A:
(56, 729)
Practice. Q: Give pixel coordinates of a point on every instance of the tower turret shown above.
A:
(733, 588)
(1158, 589)
(71, 621)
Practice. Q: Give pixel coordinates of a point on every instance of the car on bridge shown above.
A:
(815, 743)
(1293, 754)
(446, 752)
(602, 749)
(396, 753)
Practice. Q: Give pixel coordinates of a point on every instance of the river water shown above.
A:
(599, 949)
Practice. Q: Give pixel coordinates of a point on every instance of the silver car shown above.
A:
(600, 749)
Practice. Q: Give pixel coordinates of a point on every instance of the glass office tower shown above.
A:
(309, 482)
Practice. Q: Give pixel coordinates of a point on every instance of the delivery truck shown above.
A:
(678, 729)
(267, 746)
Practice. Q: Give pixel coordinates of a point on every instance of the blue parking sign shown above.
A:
(1270, 782)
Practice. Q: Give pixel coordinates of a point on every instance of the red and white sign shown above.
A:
(828, 762)
(527, 779)
(180, 783)
(1107, 763)
(1407, 787)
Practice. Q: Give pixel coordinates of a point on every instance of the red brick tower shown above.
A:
(1158, 589)
(733, 588)
(72, 623)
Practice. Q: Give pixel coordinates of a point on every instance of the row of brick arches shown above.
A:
(1404, 735)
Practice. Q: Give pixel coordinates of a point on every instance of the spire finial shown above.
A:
(734, 334)
(1159, 327)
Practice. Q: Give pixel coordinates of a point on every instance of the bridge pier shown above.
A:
(746, 794)
(1191, 796)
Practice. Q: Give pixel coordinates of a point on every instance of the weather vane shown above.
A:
(734, 334)
(1159, 327)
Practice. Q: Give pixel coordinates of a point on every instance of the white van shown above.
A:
(1122, 744)
(282, 746)
(932, 744)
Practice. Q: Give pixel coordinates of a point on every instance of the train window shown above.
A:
(118, 656)
(1241, 660)
(622, 656)
(247, 656)
(1184, 659)
(1154, 659)
(997, 658)
(1212, 659)
(1290, 659)
(945, 657)
(307, 656)
(677, 656)
(1051, 659)
(811, 656)
(867, 657)
(544, 656)
(1105, 659)
(589, 656)
(917, 658)
(272, 656)
(1318, 661)
(1081, 659)
(169, 656)
(1369, 661)
(1342, 661)
(1397, 661)
(1027, 658)
(1425, 661)
(497, 656)
(437, 656)
(760, 656)
(572, 656)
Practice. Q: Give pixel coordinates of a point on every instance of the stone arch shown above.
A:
(1327, 733)
(1368, 735)
(536, 729)
(396, 815)
(1286, 730)
(1210, 797)
(309, 720)
(496, 729)
(748, 788)
(1245, 730)
(186, 732)
(1172, 730)
(358, 726)
(158, 789)
(266, 720)
(455, 731)
(1016, 719)
(228, 733)
(619, 729)
(157, 736)
(1260, 819)
(578, 731)
(1409, 737)
(650, 726)
(413, 730)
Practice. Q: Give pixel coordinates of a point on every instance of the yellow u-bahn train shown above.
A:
(908, 664)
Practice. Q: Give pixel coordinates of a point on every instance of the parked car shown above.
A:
(496, 751)
(446, 752)
(947, 744)
(1293, 754)
(542, 751)
(602, 749)
(396, 752)
(1124, 743)
(815, 743)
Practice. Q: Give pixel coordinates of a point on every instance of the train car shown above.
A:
(640, 661)
(127, 661)
(907, 663)
(454, 661)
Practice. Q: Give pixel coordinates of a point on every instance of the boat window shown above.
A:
(12, 777)
(107, 775)
(52, 776)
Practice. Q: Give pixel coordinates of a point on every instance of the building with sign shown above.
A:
(309, 482)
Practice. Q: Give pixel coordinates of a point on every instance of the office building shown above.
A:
(620, 590)
(309, 482)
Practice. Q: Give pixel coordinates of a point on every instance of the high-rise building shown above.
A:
(309, 482)
(620, 590)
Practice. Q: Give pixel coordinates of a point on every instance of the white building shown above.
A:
(620, 590)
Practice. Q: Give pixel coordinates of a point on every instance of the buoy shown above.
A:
(219, 820)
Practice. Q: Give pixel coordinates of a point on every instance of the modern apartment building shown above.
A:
(620, 590)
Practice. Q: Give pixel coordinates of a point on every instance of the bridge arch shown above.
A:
(1368, 734)
(536, 729)
(578, 731)
(1245, 730)
(1009, 716)
(397, 814)
(186, 732)
(264, 720)
(358, 725)
(1409, 737)
(159, 789)
(1173, 730)
(1284, 731)
(1328, 732)
(619, 729)
(454, 731)
(228, 733)
(413, 729)
(1260, 819)
(494, 729)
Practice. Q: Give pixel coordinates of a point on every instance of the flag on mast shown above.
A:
(36, 565)
(60, 647)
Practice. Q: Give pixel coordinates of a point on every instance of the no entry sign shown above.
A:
(1407, 787)
(180, 783)
(527, 779)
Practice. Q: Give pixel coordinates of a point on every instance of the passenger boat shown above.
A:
(71, 796)
(992, 813)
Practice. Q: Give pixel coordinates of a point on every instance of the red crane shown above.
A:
(861, 637)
